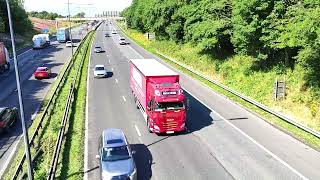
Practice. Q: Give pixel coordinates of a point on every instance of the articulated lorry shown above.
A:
(39, 41)
(63, 35)
(4, 58)
(159, 96)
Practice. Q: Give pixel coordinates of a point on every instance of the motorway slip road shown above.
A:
(223, 141)
(33, 91)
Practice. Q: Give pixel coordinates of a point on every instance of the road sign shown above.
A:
(279, 89)
(151, 36)
(45, 30)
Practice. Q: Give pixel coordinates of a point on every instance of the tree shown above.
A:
(80, 15)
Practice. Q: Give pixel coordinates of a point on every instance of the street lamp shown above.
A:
(23, 123)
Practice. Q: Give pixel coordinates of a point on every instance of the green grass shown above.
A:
(73, 152)
(236, 72)
(51, 124)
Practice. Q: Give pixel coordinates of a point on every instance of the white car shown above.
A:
(69, 44)
(99, 71)
(98, 49)
(122, 41)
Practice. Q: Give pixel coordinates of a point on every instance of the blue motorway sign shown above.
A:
(45, 30)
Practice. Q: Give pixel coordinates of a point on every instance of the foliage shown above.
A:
(44, 15)
(21, 23)
(80, 15)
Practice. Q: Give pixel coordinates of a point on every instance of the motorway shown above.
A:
(53, 56)
(223, 141)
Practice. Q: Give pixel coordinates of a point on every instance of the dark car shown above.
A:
(7, 117)
(107, 35)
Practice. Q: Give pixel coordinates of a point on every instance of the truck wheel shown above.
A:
(136, 102)
(148, 126)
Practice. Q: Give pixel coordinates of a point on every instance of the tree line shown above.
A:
(274, 32)
(20, 19)
(44, 15)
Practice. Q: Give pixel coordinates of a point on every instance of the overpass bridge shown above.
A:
(91, 18)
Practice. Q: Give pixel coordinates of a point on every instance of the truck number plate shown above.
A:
(170, 132)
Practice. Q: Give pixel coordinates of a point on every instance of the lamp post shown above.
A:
(70, 29)
(23, 123)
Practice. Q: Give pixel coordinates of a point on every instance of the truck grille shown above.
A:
(170, 125)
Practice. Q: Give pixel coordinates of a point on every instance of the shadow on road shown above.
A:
(143, 160)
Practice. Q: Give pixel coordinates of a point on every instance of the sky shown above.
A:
(90, 7)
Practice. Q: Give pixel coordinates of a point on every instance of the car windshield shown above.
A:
(99, 68)
(169, 105)
(41, 70)
(115, 153)
(4, 114)
(122, 39)
(98, 47)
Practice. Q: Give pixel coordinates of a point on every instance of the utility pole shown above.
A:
(70, 29)
(23, 123)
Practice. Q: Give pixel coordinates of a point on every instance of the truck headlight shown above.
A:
(157, 92)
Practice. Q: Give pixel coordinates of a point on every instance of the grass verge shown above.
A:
(275, 121)
(51, 124)
(73, 151)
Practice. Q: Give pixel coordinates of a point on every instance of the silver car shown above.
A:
(99, 71)
(98, 49)
(115, 156)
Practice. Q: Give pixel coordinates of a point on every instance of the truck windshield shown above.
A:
(115, 153)
(168, 105)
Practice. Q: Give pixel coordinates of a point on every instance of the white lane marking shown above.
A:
(111, 69)
(124, 98)
(140, 140)
(34, 115)
(12, 153)
(116, 81)
(109, 61)
(138, 131)
(86, 135)
(252, 140)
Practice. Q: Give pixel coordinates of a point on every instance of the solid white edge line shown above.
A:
(124, 98)
(10, 157)
(86, 142)
(251, 139)
(138, 131)
(241, 132)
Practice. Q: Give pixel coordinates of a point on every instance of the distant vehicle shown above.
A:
(39, 41)
(107, 35)
(97, 49)
(45, 37)
(114, 31)
(63, 35)
(69, 44)
(99, 71)
(4, 58)
(122, 41)
(159, 95)
(7, 117)
(42, 72)
(115, 156)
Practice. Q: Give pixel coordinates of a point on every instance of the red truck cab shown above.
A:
(159, 95)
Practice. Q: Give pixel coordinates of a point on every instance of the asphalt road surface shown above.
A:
(33, 91)
(223, 141)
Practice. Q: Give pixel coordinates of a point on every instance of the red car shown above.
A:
(42, 72)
